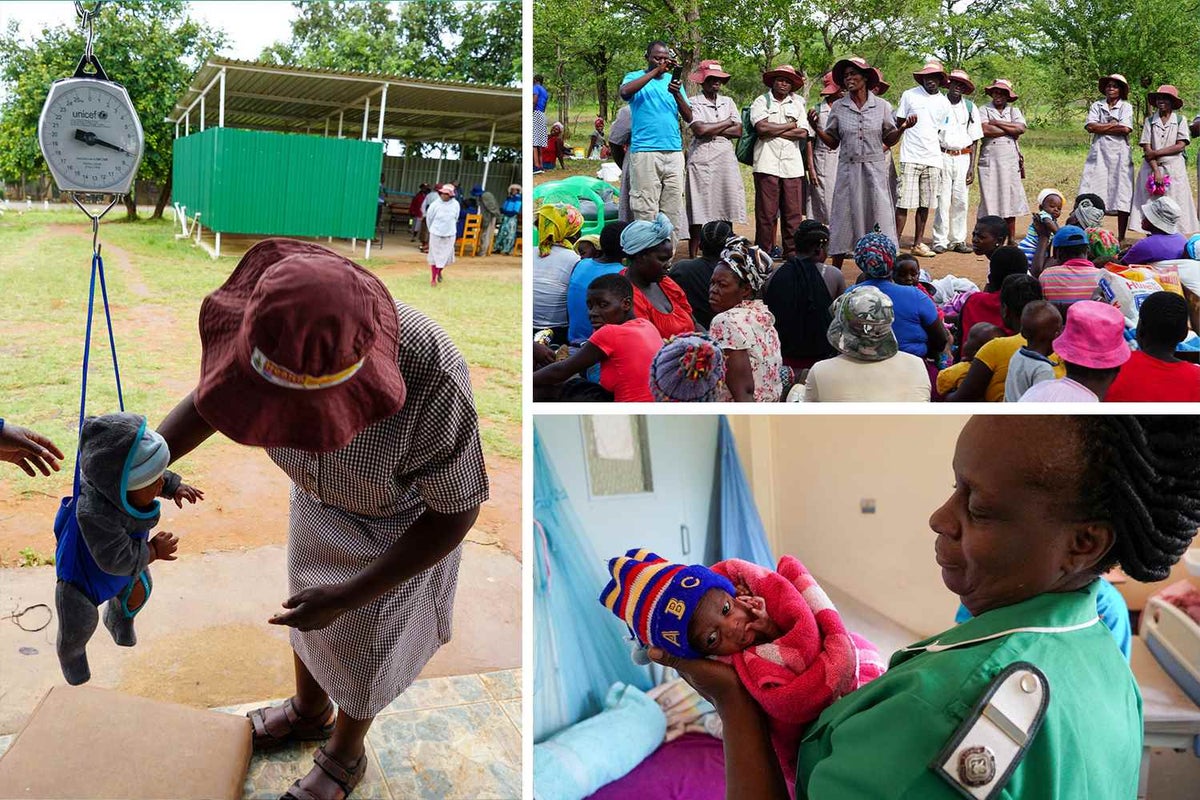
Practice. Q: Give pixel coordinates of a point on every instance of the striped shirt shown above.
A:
(1073, 280)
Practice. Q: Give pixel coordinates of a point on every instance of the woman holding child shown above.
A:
(1041, 507)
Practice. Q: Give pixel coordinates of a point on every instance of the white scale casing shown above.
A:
(82, 110)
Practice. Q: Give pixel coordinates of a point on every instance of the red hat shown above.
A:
(708, 69)
(932, 67)
(299, 349)
(881, 86)
(961, 76)
(1004, 86)
(784, 71)
(828, 87)
(839, 71)
(1166, 90)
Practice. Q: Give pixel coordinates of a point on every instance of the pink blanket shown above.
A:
(813, 663)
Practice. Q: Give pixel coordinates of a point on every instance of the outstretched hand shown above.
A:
(189, 493)
(313, 608)
(163, 546)
(29, 450)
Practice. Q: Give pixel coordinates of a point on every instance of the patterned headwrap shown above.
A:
(752, 265)
(688, 369)
(875, 254)
(556, 223)
(1088, 215)
(1102, 244)
(656, 599)
(640, 235)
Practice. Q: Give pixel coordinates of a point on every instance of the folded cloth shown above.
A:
(813, 663)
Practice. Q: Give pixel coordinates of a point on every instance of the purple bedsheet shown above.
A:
(690, 768)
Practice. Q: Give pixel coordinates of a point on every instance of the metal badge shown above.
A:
(977, 766)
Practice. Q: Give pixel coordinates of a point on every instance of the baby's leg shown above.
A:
(77, 618)
(119, 613)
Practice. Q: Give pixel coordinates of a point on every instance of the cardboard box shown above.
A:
(86, 742)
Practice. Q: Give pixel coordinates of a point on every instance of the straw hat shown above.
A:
(1119, 79)
(1002, 85)
(962, 77)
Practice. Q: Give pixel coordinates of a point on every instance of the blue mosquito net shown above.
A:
(580, 649)
(742, 533)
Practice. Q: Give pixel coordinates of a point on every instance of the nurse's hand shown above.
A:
(313, 608)
(716, 682)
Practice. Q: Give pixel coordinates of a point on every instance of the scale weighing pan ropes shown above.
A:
(89, 132)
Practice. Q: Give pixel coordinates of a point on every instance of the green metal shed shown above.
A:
(273, 156)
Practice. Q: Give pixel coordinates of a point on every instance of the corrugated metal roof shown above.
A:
(301, 99)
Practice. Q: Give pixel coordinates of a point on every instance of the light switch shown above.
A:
(867, 505)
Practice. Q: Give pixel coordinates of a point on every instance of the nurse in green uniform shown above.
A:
(1031, 698)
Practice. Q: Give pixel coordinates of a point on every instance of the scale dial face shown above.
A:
(91, 136)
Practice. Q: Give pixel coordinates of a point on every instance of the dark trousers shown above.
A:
(777, 197)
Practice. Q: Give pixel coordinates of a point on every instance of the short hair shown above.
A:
(610, 241)
(613, 282)
(809, 234)
(1139, 475)
(1096, 200)
(539, 78)
(1073, 251)
(713, 235)
(1163, 319)
(995, 226)
(651, 45)
(1018, 291)
(1006, 260)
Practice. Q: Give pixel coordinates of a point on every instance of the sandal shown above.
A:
(346, 778)
(276, 726)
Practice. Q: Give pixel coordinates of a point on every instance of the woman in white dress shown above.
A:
(1001, 192)
(1108, 171)
(1164, 139)
(442, 221)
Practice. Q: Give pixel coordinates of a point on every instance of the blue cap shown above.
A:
(1070, 236)
(476, 190)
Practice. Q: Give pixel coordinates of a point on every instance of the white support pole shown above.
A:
(221, 107)
(404, 169)
(366, 117)
(176, 129)
(441, 158)
(341, 115)
(327, 127)
(367, 251)
(187, 124)
(382, 112)
(218, 237)
(487, 157)
(202, 113)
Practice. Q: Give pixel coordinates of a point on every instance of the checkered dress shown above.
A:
(349, 506)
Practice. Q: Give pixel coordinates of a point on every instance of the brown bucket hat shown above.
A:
(828, 87)
(783, 71)
(1118, 79)
(839, 71)
(299, 349)
(932, 67)
(708, 68)
(881, 86)
(1166, 90)
(1004, 86)
(962, 77)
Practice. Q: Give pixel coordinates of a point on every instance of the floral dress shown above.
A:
(751, 326)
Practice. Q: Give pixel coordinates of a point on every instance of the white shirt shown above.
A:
(441, 218)
(960, 128)
(920, 144)
(901, 378)
(783, 158)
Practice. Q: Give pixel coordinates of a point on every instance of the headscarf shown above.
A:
(752, 265)
(557, 222)
(1088, 215)
(688, 369)
(1102, 244)
(862, 325)
(640, 235)
(875, 254)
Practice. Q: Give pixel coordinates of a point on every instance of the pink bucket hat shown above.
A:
(1094, 336)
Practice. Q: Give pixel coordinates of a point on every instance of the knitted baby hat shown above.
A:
(148, 461)
(688, 369)
(656, 598)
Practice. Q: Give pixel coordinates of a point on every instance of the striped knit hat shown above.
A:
(656, 598)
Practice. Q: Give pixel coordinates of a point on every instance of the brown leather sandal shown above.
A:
(346, 778)
(276, 726)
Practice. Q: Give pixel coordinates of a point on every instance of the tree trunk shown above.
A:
(131, 203)
(164, 195)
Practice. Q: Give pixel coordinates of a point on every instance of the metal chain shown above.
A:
(88, 18)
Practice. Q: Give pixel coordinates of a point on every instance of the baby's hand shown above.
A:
(189, 493)
(163, 546)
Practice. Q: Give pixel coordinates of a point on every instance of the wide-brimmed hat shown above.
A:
(828, 85)
(1003, 85)
(299, 349)
(881, 86)
(708, 69)
(962, 76)
(446, 188)
(1163, 213)
(1166, 90)
(932, 67)
(839, 71)
(783, 71)
(1094, 336)
(862, 325)
(1119, 79)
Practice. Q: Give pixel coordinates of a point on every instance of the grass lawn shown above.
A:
(156, 285)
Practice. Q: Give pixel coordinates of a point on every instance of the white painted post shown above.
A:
(341, 114)
(441, 158)
(382, 112)
(487, 158)
(187, 123)
(366, 114)
(327, 127)
(218, 237)
(176, 129)
(221, 107)
(367, 251)
(404, 168)
(202, 113)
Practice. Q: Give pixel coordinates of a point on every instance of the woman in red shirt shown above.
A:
(1153, 374)
(655, 296)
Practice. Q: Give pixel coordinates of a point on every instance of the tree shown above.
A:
(152, 48)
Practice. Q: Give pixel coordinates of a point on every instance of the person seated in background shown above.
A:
(555, 149)
(989, 370)
(951, 377)
(984, 306)
(596, 142)
(1153, 374)
(989, 233)
(609, 260)
(1160, 221)
(1075, 277)
(1041, 323)
(587, 246)
(1087, 213)
(656, 297)
(1093, 348)
(689, 368)
(558, 225)
(799, 295)
(743, 327)
(695, 274)
(622, 344)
